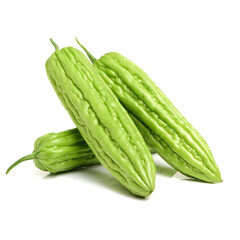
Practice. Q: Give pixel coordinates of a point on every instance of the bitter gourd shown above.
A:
(162, 125)
(60, 152)
(101, 119)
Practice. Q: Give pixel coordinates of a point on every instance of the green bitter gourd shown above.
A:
(101, 119)
(161, 124)
(60, 152)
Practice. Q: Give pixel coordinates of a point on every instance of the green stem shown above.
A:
(54, 44)
(28, 157)
(90, 56)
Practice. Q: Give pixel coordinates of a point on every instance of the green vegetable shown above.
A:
(161, 124)
(102, 121)
(60, 152)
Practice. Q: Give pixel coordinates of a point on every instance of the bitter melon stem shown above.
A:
(28, 157)
(54, 44)
(90, 56)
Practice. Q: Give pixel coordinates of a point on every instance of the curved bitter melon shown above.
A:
(101, 119)
(60, 152)
(161, 124)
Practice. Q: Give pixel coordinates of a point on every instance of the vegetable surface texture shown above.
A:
(60, 152)
(101, 119)
(161, 124)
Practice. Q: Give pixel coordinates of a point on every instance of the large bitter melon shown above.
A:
(101, 119)
(161, 124)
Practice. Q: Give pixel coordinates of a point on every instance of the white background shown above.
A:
(191, 49)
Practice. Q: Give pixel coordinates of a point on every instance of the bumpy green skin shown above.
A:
(101, 120)
(162, 125)
(60, 152)
(63, 151)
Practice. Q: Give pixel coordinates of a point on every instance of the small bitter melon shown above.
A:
(60, 152)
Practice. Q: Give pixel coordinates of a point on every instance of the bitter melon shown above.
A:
(60, 152)
(101, 119)
(161, 124)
